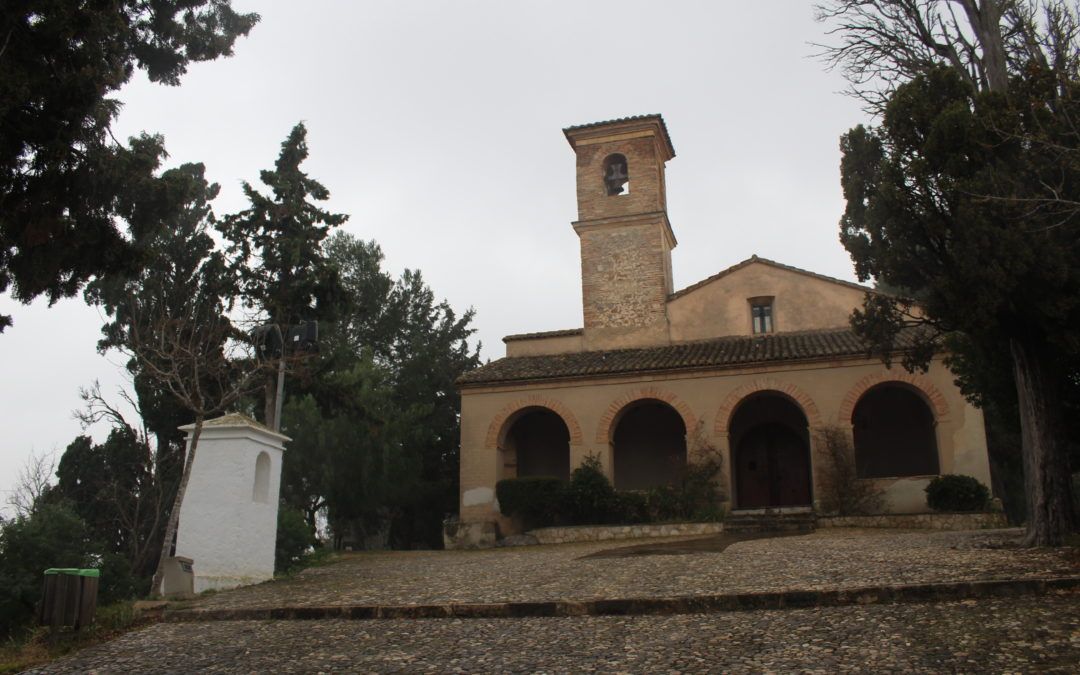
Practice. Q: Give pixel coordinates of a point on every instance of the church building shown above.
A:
(754, 362)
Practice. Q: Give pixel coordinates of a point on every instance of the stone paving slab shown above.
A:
(825, 560)
(990, 635)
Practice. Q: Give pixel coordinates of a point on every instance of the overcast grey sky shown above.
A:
(437, 127)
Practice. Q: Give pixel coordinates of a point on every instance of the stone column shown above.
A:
(228, 519)
(727, 471)
(819, 463)
(578, 453)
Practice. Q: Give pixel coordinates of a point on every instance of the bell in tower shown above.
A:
(615, 176)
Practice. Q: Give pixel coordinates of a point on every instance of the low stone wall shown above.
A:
(920, 521)
(566, 535)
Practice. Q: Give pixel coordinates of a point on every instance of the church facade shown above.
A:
(757, 363)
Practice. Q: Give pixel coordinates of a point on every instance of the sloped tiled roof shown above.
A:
(727, 352)
(568, 332)
(617, 120)
(234, 420)
(631, 118)
(755, 259)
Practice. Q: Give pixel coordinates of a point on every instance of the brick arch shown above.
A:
(809, 408)
(604, 428)
(930, 393)
(534, 401)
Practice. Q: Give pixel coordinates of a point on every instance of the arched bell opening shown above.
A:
(648, 445)
(770, 438)
(616, 175)
(894, 429)
(536, 442)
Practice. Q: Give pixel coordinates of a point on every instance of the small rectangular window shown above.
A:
(762, 316)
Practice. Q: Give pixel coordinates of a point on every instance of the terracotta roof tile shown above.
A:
(631, 118)
(617, 120)
(726, 352)
(232, 420)
(545, 334)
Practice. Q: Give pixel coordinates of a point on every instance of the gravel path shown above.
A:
(826, 559)
(995, 635)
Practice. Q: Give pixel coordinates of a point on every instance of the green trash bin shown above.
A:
(69, 597)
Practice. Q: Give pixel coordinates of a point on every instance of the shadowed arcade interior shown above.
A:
(894, 435)
(771, 441)
(649, 445)
(537, 444)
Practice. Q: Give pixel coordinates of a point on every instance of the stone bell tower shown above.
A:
(626, 239)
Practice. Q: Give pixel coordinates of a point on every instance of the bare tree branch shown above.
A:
(881, 44)
(98, 409)
(33, 481)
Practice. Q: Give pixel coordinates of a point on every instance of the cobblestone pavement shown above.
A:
(992, 635)
(826, 559)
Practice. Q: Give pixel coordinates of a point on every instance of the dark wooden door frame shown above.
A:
(773, 476)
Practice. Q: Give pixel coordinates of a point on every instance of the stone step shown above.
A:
(770, 527)
(768, 519)
(789, 598)
(759, 521)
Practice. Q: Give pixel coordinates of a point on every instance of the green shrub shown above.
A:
(662, 504)
(839, 489)
(536, 500)
(714, 513)
(54, 536)
(694, 496)
(294, 539)
(631, 508)
(957, 493)
(698, 490)
(118, 582)
(590, 498)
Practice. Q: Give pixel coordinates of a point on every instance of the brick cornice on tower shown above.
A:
(581, 226)
(637, 126)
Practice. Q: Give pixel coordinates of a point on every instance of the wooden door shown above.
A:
(772, 468)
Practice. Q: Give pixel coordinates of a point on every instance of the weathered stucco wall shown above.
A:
(826, 392)
(624, 307)
(227, 526)
(800, 302)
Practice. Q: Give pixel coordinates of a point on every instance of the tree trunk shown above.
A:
(269, 389)
(984, 18)
(174, 516)
(1046, 466)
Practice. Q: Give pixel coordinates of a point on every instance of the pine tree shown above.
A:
(966, 198)
(63, 177)
(380, 406)
(276, 247)
(943, 199)
(277, 242)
